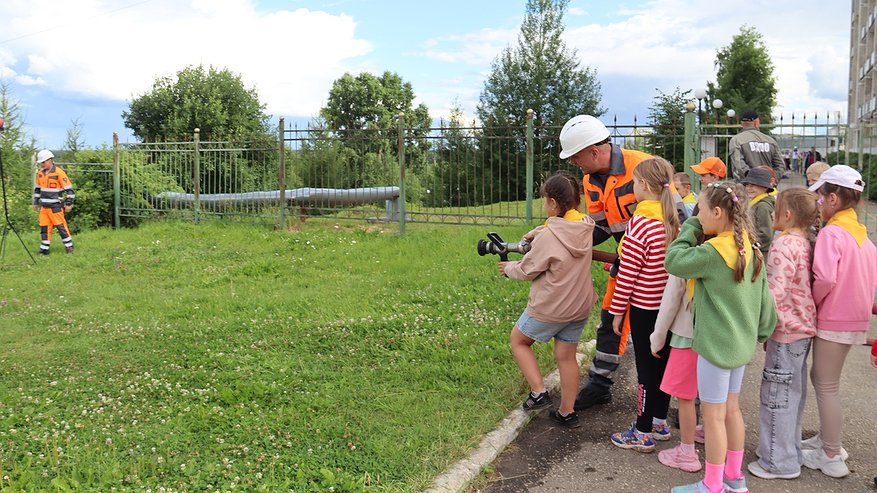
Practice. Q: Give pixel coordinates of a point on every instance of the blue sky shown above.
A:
(86, 59)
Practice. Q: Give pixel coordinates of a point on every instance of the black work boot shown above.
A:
(591, 396)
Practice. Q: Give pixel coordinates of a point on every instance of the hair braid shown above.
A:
(739, 231)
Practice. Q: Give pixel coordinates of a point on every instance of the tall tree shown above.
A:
(74, 141)
(363, 111)
(17, 148)
(213, 100)
(666, 115)
(369, 102)
(744, 75)
(541, 74)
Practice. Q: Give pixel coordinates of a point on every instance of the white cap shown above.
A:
(842, 176)
(44, 156)
(580, 132)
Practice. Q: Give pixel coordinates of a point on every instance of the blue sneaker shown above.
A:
(632, 439)
(735, 485)
(661, 433)
(697, 487)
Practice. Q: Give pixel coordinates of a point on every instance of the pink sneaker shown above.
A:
(677, 459)
(698, 434)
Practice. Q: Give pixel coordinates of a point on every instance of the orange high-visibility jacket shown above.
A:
(610, 197)
(50, 184)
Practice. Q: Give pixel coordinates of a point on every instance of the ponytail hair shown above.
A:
(658, 173)
(731, 198)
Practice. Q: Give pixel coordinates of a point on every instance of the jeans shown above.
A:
(783, 394)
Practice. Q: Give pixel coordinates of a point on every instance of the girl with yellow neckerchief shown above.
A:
(561, 294)
(844, 283)
(732, 308)
(639, 285)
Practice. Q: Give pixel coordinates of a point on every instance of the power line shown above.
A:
(71, 23)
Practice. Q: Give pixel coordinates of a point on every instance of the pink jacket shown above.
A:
(844, 280)
(788, 276)
(559, 264)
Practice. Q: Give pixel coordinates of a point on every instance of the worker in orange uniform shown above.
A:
(51, 183)
(608, 188)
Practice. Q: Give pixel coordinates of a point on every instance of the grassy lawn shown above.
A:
(212, 357)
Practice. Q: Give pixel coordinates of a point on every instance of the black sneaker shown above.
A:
(540, 401)
(69, 249)
(589, 398)
(571, 420)
(43, 252)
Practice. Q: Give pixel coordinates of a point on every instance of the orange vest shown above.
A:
(50, 184)
(610, 196)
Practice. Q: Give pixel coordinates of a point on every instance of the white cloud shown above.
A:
(477, 48)
(674, 43)
(27, 80)
(93, 47)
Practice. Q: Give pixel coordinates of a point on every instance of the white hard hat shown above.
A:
(44, 156)
(580, 132)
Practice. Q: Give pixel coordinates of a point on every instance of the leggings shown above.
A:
(651, 401)
(828, 361)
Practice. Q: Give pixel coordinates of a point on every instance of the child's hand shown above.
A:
(616, 324)
(874, 360)
(502, 268)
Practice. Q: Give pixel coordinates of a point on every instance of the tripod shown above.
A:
(7, 227)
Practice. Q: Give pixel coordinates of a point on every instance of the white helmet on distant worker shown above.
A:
(44, 156)
(580, 132)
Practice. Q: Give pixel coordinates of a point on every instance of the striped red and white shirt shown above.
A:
(641, 273)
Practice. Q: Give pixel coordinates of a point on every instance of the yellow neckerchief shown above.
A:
(726, 246)
(758, 198)
(571, 215)
(849, 220)
(774, 193)
(649, 209)
(689, 199)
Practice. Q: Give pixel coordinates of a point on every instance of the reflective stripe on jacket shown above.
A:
(50, 184)
(609, 198)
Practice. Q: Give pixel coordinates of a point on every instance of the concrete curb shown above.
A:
(455, 479)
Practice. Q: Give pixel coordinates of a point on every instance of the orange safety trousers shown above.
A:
(625, 326)
(49, 220)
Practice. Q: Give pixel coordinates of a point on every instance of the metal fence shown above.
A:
(196, 180)
(453, 173)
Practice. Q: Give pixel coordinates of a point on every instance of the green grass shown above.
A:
(217, 357)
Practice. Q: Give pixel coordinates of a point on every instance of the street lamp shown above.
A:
(700, 94)
(731, 114)
(717, 104)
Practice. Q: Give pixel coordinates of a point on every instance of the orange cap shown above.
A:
(712, 165)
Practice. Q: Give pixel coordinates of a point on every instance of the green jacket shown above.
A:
(762, 219)
(729, 317)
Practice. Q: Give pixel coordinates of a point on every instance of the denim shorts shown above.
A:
(544, 331)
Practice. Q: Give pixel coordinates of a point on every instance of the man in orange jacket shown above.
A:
(51, 183)
(608, 187)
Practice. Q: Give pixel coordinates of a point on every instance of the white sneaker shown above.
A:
(834, 467)
(815, 443)
(756, 470)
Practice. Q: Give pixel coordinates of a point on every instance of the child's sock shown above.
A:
(733, 464)
(687, 448)
(656, 421)
(713, 477)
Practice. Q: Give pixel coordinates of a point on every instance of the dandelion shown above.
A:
(109, 441)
